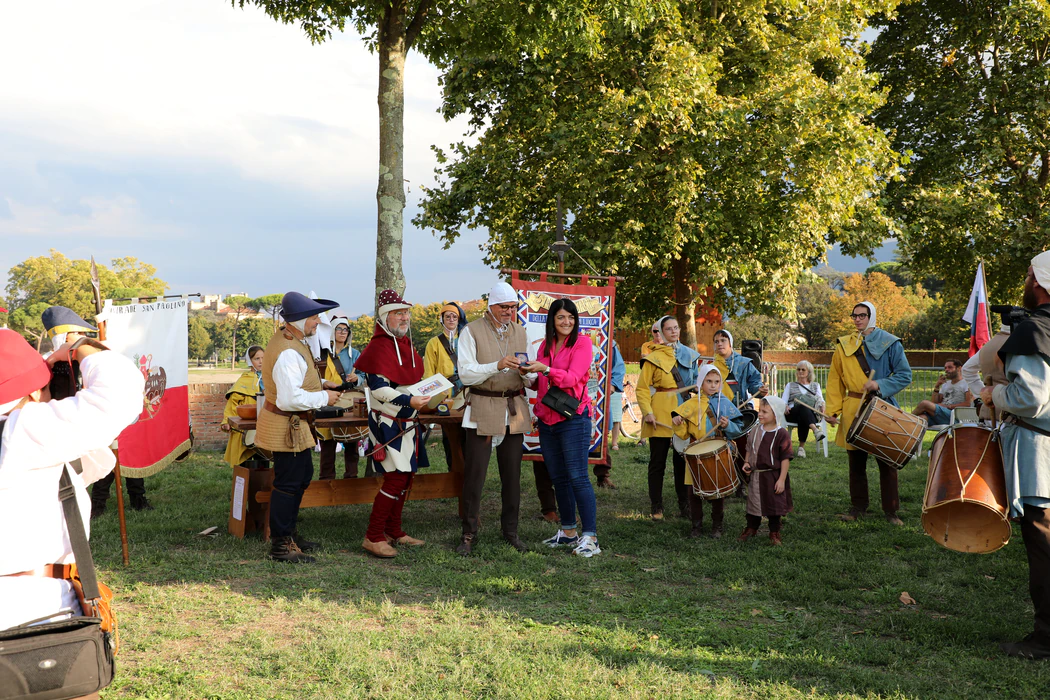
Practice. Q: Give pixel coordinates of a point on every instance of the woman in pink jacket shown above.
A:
(564, 361)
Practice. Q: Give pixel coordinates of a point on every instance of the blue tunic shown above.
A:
(619, 369)
(885, 355)
(347, 357)
(746, 375)
(1026, 453)
(401, 449)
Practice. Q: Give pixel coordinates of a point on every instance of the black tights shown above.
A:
(753, 521)
(803, 416)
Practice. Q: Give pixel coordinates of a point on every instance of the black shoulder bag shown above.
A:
(559, 400)
(65, 659)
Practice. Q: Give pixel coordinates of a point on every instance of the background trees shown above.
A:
(969, 100)
(709, 146)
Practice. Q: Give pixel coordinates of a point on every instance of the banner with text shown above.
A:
(596, 308)
(154, 336)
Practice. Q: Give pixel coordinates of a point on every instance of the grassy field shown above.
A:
(654, 616)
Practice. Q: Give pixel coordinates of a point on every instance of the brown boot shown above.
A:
(285, 549)
(852, 515)
(774, 539)
(379, 549)
(409, 541)
(747, 534)
(550, 516)
(606, 483)
(892, 519)
(717, 530)
(467, 544)
(698, 529)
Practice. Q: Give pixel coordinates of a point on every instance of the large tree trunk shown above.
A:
(390, 195)
(684, 305)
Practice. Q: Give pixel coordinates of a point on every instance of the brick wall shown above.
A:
(207, 402)
(916, 358)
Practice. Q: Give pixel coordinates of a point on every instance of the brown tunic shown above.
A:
(272, 430)
(765, 451)
(991, 373)
(490, 412)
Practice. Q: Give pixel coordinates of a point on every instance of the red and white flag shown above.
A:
(977, 313)
(154, 336)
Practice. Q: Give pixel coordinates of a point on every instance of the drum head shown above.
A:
(707, 447)
(750, 419)
(679, 444)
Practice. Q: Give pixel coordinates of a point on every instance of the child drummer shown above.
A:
(707, 416)
(768, 457)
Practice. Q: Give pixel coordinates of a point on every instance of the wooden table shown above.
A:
(250, 497)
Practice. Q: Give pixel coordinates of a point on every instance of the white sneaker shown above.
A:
(801, 452)
(560, 539)
(588, 547)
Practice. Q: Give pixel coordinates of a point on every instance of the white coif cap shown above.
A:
(502, 293)
(1041, 267)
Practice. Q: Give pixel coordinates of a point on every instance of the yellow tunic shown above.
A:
(845, 376)
(242, 393)
(693, 413)
(436, 360)
(656, 373)
(647, 347)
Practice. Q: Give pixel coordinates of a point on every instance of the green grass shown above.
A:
(655, 615)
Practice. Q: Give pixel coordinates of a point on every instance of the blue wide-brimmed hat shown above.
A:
(296, 306)
(59, 319)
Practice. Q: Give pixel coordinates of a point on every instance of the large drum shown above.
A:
(883, 430)
(354, 402)
(710, 464)
(965, 507)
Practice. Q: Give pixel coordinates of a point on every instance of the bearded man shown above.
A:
(391, 363)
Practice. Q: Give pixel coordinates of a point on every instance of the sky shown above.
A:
(219, 146)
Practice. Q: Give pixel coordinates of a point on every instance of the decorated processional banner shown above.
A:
(154, 336)
(596, 308)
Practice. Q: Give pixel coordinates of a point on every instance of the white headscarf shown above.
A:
(322, 337)
(248, 352)
(871, 314)
(502, 293)
(1041, 268)
(705, 369)
(778, 406)
(728, 334)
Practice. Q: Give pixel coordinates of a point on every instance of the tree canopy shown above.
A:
(720, 146)
(968, 98)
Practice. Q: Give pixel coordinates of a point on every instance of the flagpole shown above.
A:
(987, 306)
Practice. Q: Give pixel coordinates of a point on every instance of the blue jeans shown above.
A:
(564, 446)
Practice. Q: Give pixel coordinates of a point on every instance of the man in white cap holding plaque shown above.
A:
(497, 413)
(1024, 407)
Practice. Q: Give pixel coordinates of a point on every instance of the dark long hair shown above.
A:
(552, 335)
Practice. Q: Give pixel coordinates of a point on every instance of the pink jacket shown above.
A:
(570, 369)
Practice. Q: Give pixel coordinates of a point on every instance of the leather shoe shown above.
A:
(379, 549)
(892, 519)
(717, 531)
(774, 539)
(285, 549)
(851, 515)
(409, 541)
(466, 544)
(606, 483)
(697, 531)
(515, 542)
(140, 503)
(658, 516)
(550, 517)
(747, 534)
(1032, 647)
(304, 544)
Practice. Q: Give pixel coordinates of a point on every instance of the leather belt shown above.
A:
(498, 394)
(305, 415)
(508, 395)
(1020, 422)
(60, 571)
(854, 395)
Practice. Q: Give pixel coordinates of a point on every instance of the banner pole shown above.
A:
(988, 303)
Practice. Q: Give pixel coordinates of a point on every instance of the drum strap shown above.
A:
(862, 361)
(448, 349)
(1016, 420)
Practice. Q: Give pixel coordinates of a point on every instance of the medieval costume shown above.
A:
(657, 394)
(766, 452)
(855, 356)
(243, 392)
(442, 357)
(496, 416)
(391, 362)
(1024, 404)
(700, 417)
(284, 426)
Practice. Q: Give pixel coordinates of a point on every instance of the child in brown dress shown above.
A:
(768, 457)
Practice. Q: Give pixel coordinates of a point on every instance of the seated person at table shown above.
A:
(708, 416)
(243, 393)
(950, 392)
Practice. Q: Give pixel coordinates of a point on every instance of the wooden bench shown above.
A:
(250, 495)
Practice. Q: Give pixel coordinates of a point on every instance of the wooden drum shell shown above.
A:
(966, 507)
(713, 472)
(885, 431)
